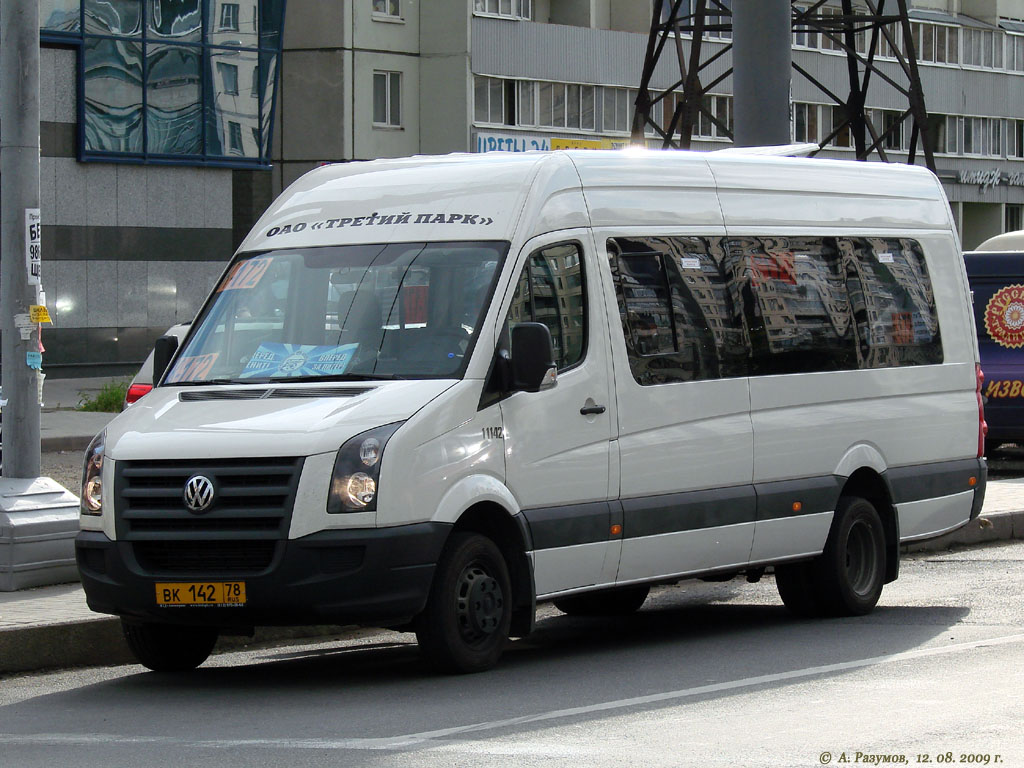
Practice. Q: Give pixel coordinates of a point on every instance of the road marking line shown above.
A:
(417, 739)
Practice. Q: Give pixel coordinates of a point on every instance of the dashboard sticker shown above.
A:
(285, 360)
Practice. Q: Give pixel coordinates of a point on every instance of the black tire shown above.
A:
(847, 579)
(795, 582)
(167, 647)
(621, 601)
(465, 624)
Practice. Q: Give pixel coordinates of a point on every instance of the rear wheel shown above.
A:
(605, 602)
(465, 624)
(847, 579)
(169, 648)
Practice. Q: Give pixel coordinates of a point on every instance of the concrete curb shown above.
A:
(98, 642)
(64, 443)
(1001, 526)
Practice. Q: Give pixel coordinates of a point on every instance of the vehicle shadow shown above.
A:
(380, 688)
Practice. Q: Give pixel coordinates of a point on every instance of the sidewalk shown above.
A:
(61, 427)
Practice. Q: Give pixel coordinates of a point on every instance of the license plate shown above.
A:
(201, 593)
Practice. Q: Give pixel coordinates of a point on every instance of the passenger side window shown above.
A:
(552, 290)
(679, 309)
(704, 308)
(800, 313)
(892, 302)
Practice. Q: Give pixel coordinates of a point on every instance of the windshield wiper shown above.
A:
(203, 382)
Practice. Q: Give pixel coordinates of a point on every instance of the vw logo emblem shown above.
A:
(199, 493)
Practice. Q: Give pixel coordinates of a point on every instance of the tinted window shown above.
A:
(551, 291)
(892, 302)
(703, 307)
(677, 300)
(800, 308)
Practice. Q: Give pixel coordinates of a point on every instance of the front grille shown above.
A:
(249, 516)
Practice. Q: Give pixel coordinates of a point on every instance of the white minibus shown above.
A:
(429, 392)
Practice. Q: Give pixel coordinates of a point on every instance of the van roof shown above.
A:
(1008, 241)
(494, 196)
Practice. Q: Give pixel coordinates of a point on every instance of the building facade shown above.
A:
(401, 76)
(155, 123)
(169, 125)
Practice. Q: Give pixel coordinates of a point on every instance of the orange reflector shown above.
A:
(797, 506)
(616, 530)
(972, 482)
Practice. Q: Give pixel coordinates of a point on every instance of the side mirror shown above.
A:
(533, 358)
(163, 351)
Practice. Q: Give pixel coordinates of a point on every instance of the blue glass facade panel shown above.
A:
(113, 95)
(113, 17)
(187, 81)
(180, 21)
(174, 97)
(60, 15)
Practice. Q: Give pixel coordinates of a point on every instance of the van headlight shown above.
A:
(357, 471)
(92, 476)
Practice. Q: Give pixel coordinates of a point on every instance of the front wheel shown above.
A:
(847, 579)
(167, 647)
(465, 624)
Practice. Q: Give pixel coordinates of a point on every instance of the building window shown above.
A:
(721, 108)
(390, 8)
(387, 99)
(566, 105)
(509, 9)
(805, 123)
(228, 77)
(494, 100)
(527, 103)
(983, 48)
(235, 136)
(617, 108)
(162, 80)
(1015, 53)
(802, 35)
(1014, 219)
(229, 16)
(982, 136)
(935, 43)
(842, 137)
(892, 127)
(952, 135)
(1015, 138)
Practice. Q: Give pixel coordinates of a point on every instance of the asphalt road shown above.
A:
(704, 675)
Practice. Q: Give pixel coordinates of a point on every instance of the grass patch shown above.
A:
(108, 400)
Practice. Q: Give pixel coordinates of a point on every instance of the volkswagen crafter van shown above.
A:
(427, 393)
(996, 274)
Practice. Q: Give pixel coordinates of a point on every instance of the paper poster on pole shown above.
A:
(33, 244)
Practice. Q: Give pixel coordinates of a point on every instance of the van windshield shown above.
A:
(397, 310)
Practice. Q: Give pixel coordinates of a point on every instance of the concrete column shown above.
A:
(38, 518)
(19, 191)
(762, 66)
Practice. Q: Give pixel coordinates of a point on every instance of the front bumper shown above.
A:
(375, 577)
